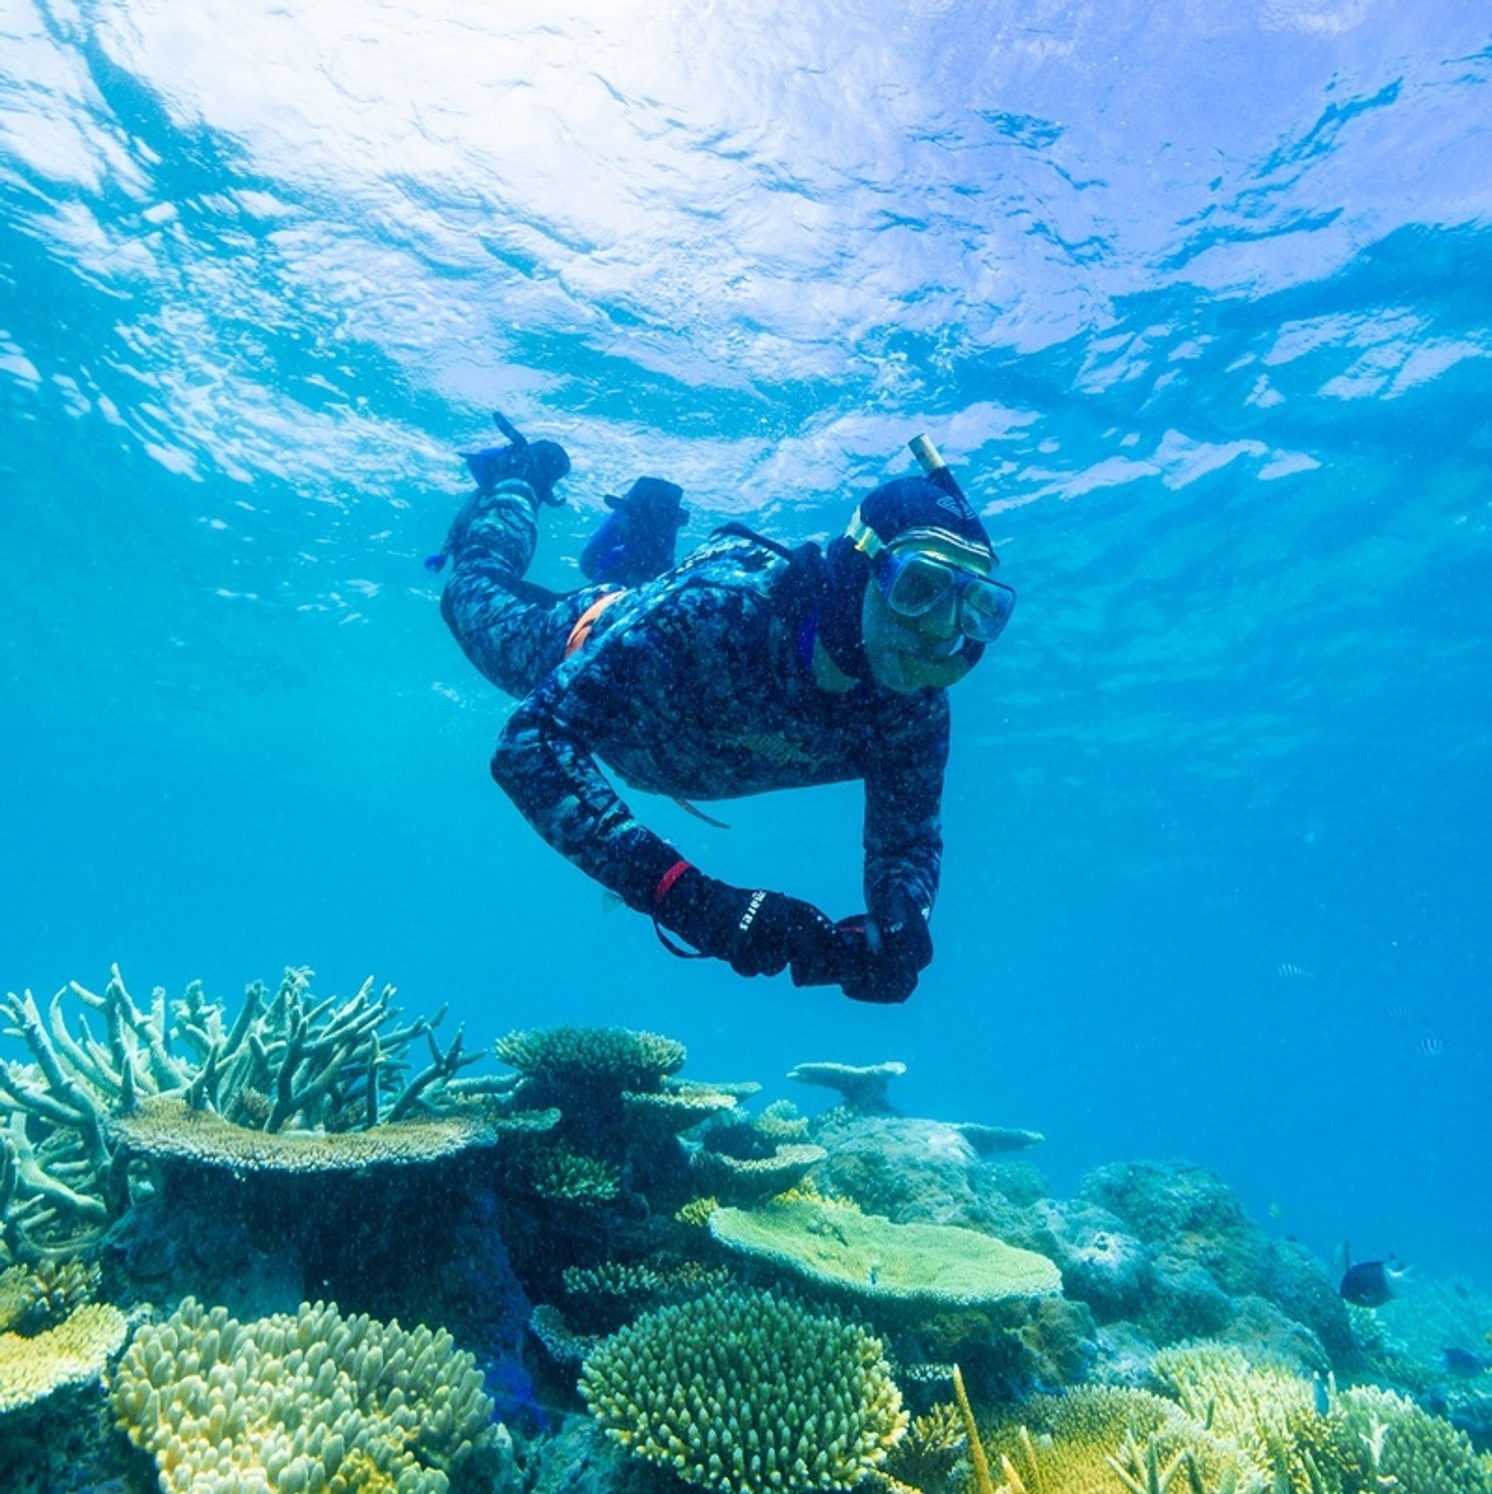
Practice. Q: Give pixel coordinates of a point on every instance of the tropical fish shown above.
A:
(1295, 972)
(1430, 1047)
(1370, 1283)
(1463, 1363)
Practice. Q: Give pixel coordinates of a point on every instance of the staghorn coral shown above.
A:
(1107, 1439)
(73, 1352)
(297, 1402)
(925, 1267)
(284, 1061)
(1262, 1405)
(741, 1391)
(1395, 1445)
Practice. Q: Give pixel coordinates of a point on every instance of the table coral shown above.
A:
(861, 1088)
(313, 1400)
(166, 1129)
(926, 1266)
(741, 1391)
(72, 1353)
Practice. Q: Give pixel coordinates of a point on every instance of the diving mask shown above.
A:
(922, 580)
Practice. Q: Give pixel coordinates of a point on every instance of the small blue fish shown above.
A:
(1295, 972)
(1430, 1047)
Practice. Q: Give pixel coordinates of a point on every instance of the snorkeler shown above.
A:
(746, 667)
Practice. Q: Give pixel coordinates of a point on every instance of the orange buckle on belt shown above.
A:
(587, 621)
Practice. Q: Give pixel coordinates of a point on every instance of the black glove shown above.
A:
(756, 932)
(891, 951)
(540, 464)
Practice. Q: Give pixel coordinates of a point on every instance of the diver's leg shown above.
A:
(514, 633)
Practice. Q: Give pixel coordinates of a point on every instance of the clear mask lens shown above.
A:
(918, 586)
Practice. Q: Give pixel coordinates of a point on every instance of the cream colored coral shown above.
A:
(169, 1129)
(72, 1353)
(311, 1402)
(741, 1392)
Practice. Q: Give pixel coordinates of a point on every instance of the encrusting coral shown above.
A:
(743, 1392)
(310, 1401)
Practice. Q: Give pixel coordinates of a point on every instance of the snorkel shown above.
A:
(865, 624)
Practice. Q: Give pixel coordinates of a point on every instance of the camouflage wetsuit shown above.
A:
(695, 685)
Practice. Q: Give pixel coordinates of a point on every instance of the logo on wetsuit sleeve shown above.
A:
(752, 909)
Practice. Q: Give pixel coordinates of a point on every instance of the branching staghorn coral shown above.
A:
(287, 1062)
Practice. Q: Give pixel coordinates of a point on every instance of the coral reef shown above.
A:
(742, 1391)
(862, 1089)
(874, 1261)
(310, 1401)
(165, 1129)
(1393, 1444)
(73, 1352)
(289, 1060)
(987, 1141)
(1204, 1253)
(743, 1159)
(33, 1298)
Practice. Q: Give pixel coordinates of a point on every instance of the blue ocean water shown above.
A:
(1198, 301)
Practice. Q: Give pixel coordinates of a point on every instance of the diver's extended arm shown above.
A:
(554, 780)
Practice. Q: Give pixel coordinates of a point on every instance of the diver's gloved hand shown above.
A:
(540, 464)
(756, 932)
(892, 950)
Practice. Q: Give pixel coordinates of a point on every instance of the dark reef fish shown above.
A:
(1463, 1363)
(1371, 1283)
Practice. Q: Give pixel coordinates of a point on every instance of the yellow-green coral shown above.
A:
(1091, 1437)
(1263, 1405)
(741, 1392)
(72, 1353)
(1397, 1445)
(577, 1059)
(170, 1130)
(930, 1457)
(288, 1403)
(925, 1266)
(697, 1211)
(557, 1172)
(40, 1296)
